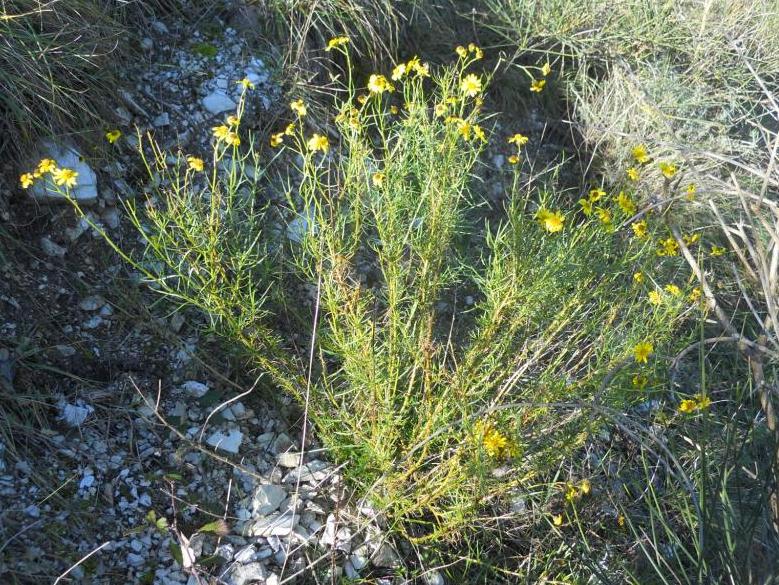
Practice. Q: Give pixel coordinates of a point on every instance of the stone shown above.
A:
(32, 511)
(196, 389)
(267, 499)
(384, 556)
(218, 102)
(245, 554)
(246, 574)
(162, 120)
(338, 537)
(91, 303)
(288, 459)
(85, 191)
(147, 44)
(360, 557)
(135, 560)
(434, 578)
(282, 443)
(273, 525)
(230, 442)
(51, 249)
(74, 415)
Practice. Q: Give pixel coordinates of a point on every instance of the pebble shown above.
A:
(273, 525)
(51, 249)
(196, 389)
(267, 499)
(229, 442)
(218, 102)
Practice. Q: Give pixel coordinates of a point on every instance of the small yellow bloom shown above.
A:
(220, 132)
(691, 191)
(378, 179)
(464, 128)
(495, 444)
(668, 247)
(597, 194)
(570, 492)
(642, 351)
(113, 135)
(668, 169)
(470, 85)
(398, 72)
(518, 139)
(378, 84)
(632, 174)
(695, 295)
(687, 406)
(672, 289)
(336, 42)
(640, 381)
(557, 519)
(65, 177)
(585, 487)
(546, 69)
(604, 215)
(626, 203)
(195, 163)
(620, 520)
(691, 239)
(640, 154)
(290, 129)
(638, 277)
(47, 165)
(361, 99)
(478, 131)
(587, 206)
(276, 139)
(717, 250)
(655, 298)
(232, 139)
(27, 180)
(537, 85)
(394, 110)
(478, 53)
(299, 108)
(513, 159)
(440, 110)
(232, 120)
(246, 83)
(640, 229)
(551, 221)
(416, 66)
(461, 51)
(318, 142)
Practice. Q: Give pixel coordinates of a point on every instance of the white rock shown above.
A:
(91, 303)
(245, 554)
(273, 525)
(229, 442)
(135, 560)
(196, 389)
(218, 102)
(288, 459)
(245, 574)
(434, 578)
(84, 192)
(273, 579)
(339, 537)
(74, 415)
(51, 249)
(267, 499)
(162, 120)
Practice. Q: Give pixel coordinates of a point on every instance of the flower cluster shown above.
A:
(62, 177)
(519, 140)
(495, 444)
(551, 221)
(695, 404)
(413, 66)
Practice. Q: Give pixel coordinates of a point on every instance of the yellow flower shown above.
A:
(513, 159)
(246, 83)
(640, 229)
(290, 129)
(276, 139)
(470, 85)
(479, 133)
(638, 277)
(232, 120)
(703, 402)
(640, 154)
(570, 492)
(362, 98)
(419, 68)
(195, 163)
(478, 53)
(642, 351)
(620, 520)
(495, 444)
(687, 406)
(47, 165)
(440, 110)
(26, 180)
(655, 298)
(586, 206)
(318, 142)
(640, 381)
(597, 195)
(232, 139)
(518, 139)
(604, 215)
(557, 519)
(394, 110)
(668, 169)
(632, 173)
(221, 132)
(551, 221)
(299, 107)
(691, 238)
(626, 203)
(717, 250)
(691, 191)
(378, 179)
(113, 135)
(398, 72)
(461, 51)
(695, 295)
(668, 247)
(378, 84)
(336, 42)
(464, 128)
(65, 177)
(546, 69)
(672, 289)
(537, 85)
(584, 486)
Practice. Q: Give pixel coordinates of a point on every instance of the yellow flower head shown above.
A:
(687, 406)
(642, 351)
(232, 139)
(461, 51)
(464, 128)
(513, 159)
(632, 173)
(597, 194)
(717, 250)
(626, 203)
(246, 83)
(477, 52)
(378, 84)
(66, 177)
(318, 142)
(640, 154)
(276, 139)
(336, 42)
(299, 107)
(691, 191)
(378, 179)
(604, 215)
(672, 289)
(668, 169)
(220, 132)
(195, 163)
(551, 221)
(232, 120)
(27, 180)
(640, 381)
(557, 519)
(638, 277)
(546, 69)
(113, 135)
(695, 295)
(537, 85)
(398, 72)
(47, 165)
(668, 247)
(640, 229)
(518, 139)
(587, 206)
(394, 110)
(440, 110)
(470, 85)
(420, 69)
(691, 239)
(585, 487)
(478, 131)
(495, 443)
(290, 129)
(655, 298)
